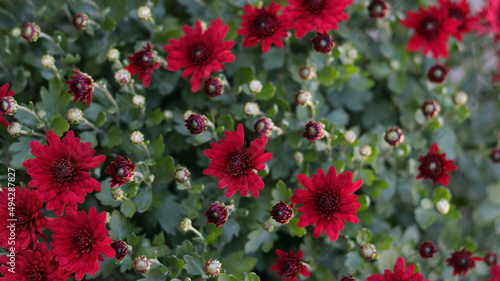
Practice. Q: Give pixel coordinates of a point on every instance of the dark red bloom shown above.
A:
(435, 166)
(213, 87)
(327, 201)
(282, 213)
(430, 109)
(289, 265)
(432, 29)
(80, 21)
(323, 43)
(201, 53)
(196, 123)
(60, 173)
(30, 220)
(121, 249)
(437, 73)
(217, 214)
(462, 261)
(5, 103)
(427, 250)
(233, 162)
(345, 278)
(462, 13)
(144, 63)
(495, 155)
(314, 131)
(401, 273)
(38, 264)
(322, 15)
(264, 25)
(82, 86)
(121, 171)
(491, 22)
(79, 240)
(491, 258)
(495, 273)
(378, 9)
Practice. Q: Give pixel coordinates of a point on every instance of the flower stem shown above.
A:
(212, 127)
(412, 256)
(51, 39)
(424, 126)
(57, 72)
(32, 134)
(111, 99)
(25, 109)
(329, 146)
(138, 175)
(355, 176)
(145, 147)
(313, 110)
(197, 233)
(88, 123)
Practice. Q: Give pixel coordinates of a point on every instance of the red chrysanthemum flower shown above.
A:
(435, 166)
(495, 273)
(438, 73)
(427, 250)
(217, 214)
(461, 12)
(79, 240)
(323, 43)
(401, 273)
(144, 63)
(322, 15)
(121, 171)
(347, 278)
(264, 25)
(282, 212)
(60, 173)
(432, 29)
(378, 9)
(33, 265)
(233, 162)
(491, 22)
(201, 53)
(462, 261)
(121, 249)
(29, 218)
(327, 201)
(5, 103)
(82, 86)
(289, 265)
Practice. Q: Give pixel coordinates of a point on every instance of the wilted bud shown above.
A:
(365, 151)
(367, 252)
(437, 73)
(117, 194)
(323, 43)
(141, 264)
(255, 86)
(137, 137)
(113, 54)
(185, 224)
(306, 72)
(212, 268)
(74, 115)
(303, 98)
(350, 137)
(30, 31)
(138, 101)
(122, 76)
(217, 214)
(14, 129)
(443, 206)
(48, 61)
(251, 109)
(181, 174)
(144, 13)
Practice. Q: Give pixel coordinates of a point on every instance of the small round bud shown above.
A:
(121, 249)
(378, 9)
(282, 213)
(430, 109)
(14, 129)
(255, 86)
(213, 87)
(212, 268)
(251, 109)
(141, 264)
(117, 194)
(181, 174)
(74, 115)
(350, 244)
(144, 13)
(30, 31)
(187, 279)
(138, 101)
(264, 127)
(185, 224)
(323, 43)
(268, 226)
(48, 61)
(437, 73)
(495, 155)
(113, 54)
(347, 278)
(41, 114)
(443, 206)
(15, 32)
(303, 98)
(217, 214)
(168, 114)
(314, 131)
(108, 217)
(460, 98)
(427, 250)
(137, 137)
(298, 157)
(196, 123)
(8, 105)
(394, 136)
(367, 252)
(365, 151)
(491, 258)
(122, 76)
(80, 21)
(350, 137)
(306, 72)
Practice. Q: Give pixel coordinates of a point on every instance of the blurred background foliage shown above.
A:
(367, 84)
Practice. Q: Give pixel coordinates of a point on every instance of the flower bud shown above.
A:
(113, 54)
(347, 278)
(41, 114)
(314, 131)
(187, 114)
(264, 127)
(108, 217)
(367, 252)
(282, 213)
(121, 171)
(213, 87)
(495, 155)
(255, 86)
(394, 136)
(168, 114)
(181, 174)
(196, 123)
(365, 151)
(144, 13)
(8, 105)
(303, 98)
(80, 21)
(349, 137)
(137, 137)
(74, 115)
(437, 73)
(427, 250)
(185, 224)
(138, 101)
(378, 9)
(141, 264)
(121, 249)
(217, 214)
(350, 244)
(122, 76)
(443, 206)
(14, 129)
(430, 109)
(298, 157)
(117, 194)
(460, 98)
(306, 72)
(323, 43)
(251, 109)
(30, 31)
(48, 61)
(491, 258)
(212, 268)
(268, 226)
(15, 32)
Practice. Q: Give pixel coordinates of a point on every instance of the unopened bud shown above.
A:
(137, 137)
(48, 61)
(14, 129)
(74, 115)
(365, 151)
(251, 109)
(113, 54)
(298, 157)
(443, 206)
(144, 13)
(122, 76)
(255, 86)
(138, 101)
(185, 224)
(367, 252)
(30, 31)
(306, 73)
(303, 98)
(141, 264)
(212, 268)
(350, 137)
(117, 194)
(181, 175)
(460, 98)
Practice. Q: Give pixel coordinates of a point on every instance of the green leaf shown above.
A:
(294, 229)
(174, 265)
(113, 137)
(225, 277)
(143, 199)
(21, 152)
(156, 147)
(226, 121)
(260, 238)
(252, 277)
(267, 92)
(119, 227)
(424, 217)
(194, 264)
(365, 201)
(127, 208)
(382, 242)
(186, 248)
(327, 76)
(235, 264)
(132, 239)
(101, 119)
(281, 193)
(54, 99)
(171, 222)
(105, 194)
(109, 24)
(364, 236)
(159, 239)
(272, 111)
(59, 126)
(353, 262)
(273, 59)
(154, 117)
(163, 170)
(441, 193)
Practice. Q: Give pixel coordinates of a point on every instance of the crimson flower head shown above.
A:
(217, 214)
(432, 28)
(5, 103)
(427, 250)
(438, 73)
(323, 43)
(144, 63)
(79, 240)
(495, 155)
(33, 265)
(495, 273)
(289, 265)
(435, 166)
(378, 9)
(121, 249)
(401, 273)
(462, 261)
(233, 162)
(491, 22)
(201, 53)
(30, 220)
(491, 258)
(327, 201)
(82, 86)
(322, 15)
(60, 171)
(264, 25)
(462, 13)
(121, 171)
(282, 212)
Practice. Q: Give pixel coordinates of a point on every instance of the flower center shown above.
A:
(63, 170)
(238, 163)
(147, 58)
(438, 73)
(4, 106)
(393, 136)
(456, 13)
(433, 166)
(36, 275)
(290, 267)
(265, 25)
(22, 218)
(464, 262)
(429, 108)
(199, 53)
(314, 6)
(82, 240)
(378, 8)
(429, 28)
(327, 203)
